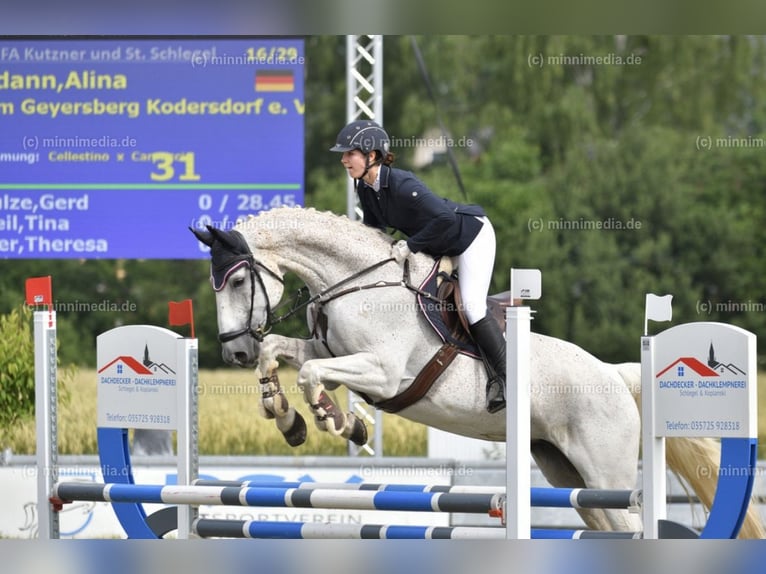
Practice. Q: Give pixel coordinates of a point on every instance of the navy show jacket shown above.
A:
(435, 225)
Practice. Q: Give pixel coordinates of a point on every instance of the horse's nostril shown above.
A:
(240, 357)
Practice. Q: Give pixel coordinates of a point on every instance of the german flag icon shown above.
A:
(274, 81)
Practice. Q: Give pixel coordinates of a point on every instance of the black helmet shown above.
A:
(364, 135)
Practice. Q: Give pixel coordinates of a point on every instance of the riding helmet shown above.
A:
(364, 135)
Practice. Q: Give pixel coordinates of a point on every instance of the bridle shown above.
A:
(295, 303)
(262, 330)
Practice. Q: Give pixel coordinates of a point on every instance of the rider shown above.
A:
(391, 197)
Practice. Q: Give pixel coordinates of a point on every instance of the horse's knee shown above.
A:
(267, 366)
(308, 382)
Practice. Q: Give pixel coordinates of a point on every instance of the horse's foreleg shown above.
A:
(274, 403)
(328, 417)
(292, 351)
(358, 372)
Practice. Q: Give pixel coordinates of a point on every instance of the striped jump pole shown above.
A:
(390, 487)
(566, 534)
(586, 498)
(281, 497)
(216, 528)
(213, 528)
(539, 496)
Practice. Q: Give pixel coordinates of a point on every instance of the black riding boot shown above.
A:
(489, 338)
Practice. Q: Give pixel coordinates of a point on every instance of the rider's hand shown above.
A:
(400, 251)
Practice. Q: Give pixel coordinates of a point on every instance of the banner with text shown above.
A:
(114, 148)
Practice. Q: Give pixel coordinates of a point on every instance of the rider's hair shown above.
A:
(387, 159)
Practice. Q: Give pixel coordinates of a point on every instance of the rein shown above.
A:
(320, 298)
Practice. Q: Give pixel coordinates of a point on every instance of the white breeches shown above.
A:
(475, 266)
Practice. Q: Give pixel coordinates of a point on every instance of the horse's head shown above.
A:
(245, 291)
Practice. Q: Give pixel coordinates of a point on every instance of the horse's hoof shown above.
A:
(358, 434)
(296, 434)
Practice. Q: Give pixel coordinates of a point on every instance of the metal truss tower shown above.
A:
(364, 100)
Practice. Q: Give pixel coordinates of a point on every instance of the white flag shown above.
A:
(658, 308)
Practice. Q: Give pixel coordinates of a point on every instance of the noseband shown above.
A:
(262, 330)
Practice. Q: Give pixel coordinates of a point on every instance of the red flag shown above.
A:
(180, 313)
(38, 291)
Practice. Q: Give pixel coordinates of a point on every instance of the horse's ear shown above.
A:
(205, 237)
(226, 238)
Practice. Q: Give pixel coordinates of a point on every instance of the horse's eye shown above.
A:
(237, 283)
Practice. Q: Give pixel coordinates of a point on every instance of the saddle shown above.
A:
(441, 303)
(452, 311)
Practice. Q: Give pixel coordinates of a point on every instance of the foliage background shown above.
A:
(553, 143)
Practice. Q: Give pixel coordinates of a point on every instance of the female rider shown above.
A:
(391, 197)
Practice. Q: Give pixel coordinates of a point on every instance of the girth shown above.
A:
(423, 382)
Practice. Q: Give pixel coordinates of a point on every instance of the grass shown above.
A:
(230, 424)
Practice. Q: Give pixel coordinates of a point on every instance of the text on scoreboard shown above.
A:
(113, 148)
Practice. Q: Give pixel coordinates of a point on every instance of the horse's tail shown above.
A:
(695, 460)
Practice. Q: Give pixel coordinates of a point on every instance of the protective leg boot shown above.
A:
(488, 336)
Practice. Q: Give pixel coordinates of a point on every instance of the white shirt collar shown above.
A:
(376, 184)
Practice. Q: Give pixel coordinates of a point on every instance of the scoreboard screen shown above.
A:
(113, 148)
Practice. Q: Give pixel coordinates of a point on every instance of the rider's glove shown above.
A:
(400, 251)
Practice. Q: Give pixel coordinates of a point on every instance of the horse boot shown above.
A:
(488, 336)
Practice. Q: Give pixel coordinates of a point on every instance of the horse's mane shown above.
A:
(294, 224)
(326, 236)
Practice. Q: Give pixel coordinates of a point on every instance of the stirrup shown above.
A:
(497, 403)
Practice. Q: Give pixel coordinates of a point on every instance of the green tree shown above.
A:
(17, 370)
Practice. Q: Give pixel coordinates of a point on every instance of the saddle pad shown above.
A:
(432, 307)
